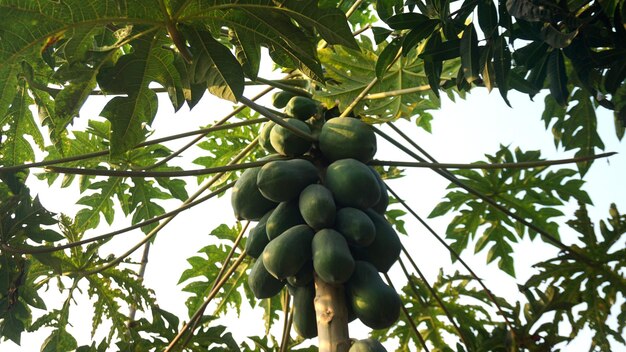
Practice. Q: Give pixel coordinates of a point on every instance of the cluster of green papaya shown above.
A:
(320, 211)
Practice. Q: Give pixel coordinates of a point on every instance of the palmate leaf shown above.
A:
(100, 202)
(533, 194)
(349, 72)
(220, 147)
(271, 23)
(15, 148)
(207, 265)
(468, 306)
(150, 61)
(576, 126)
(28, 26)
(141, 200)
(595, 284)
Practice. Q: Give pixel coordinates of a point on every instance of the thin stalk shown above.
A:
(197, 315)
(518, 165)
(285, 87)
(50, 249)
(221, 122)
(360, 97)
(452, 252)
(437, 298)
(409, 319)
(166, 221)
(265, 112)
(353, 8)
(142, 271)
(490, 201)
(284, 341)
(366, 90)
(6, 169)
(397, 92)
(229, 256)
(155, 174)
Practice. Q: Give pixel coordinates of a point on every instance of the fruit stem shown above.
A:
(332, 317)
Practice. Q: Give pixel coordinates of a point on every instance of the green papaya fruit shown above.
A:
(304, 321)
(367, 345)
(264, 136)
(386, 247)
(352, 184)
(281, 98)
(347, 138)
(374, 303)
(257, 237)
(283, 180)
(285, 216)
(383, 202)
(332, 260)
(301, 108)
(247, 201)
(285, 255)
(356, 226)
(288, 143)
(317, 206)
(303, 277)
(262, 283)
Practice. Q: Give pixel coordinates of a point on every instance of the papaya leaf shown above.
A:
(533, 194)
(15, 148)
(141, 200)
(220, 147)
(572, 277)
(100, 202)
(216, 65)
(132, 74)
(576, 127)
(557, 77)
(349, 72)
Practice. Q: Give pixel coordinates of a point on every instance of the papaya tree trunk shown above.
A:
(332, 317)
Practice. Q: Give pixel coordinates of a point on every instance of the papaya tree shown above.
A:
(317, 237)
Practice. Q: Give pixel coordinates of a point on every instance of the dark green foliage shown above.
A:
(317, 206)
(352, 184)
(283, 180)
(385, 249)
(304, 321)
(285, 216)
(246, 199)
(332, 260)
(287, 253)
(346, 137)
(532, 193)
(356, 226)
(374, 303)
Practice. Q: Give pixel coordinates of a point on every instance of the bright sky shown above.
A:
(462, 132)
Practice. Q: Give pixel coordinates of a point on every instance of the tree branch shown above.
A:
(518, 165)
(447, 175)
(124, 173)
(50, 249)
(452, 252)
(166, 221)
